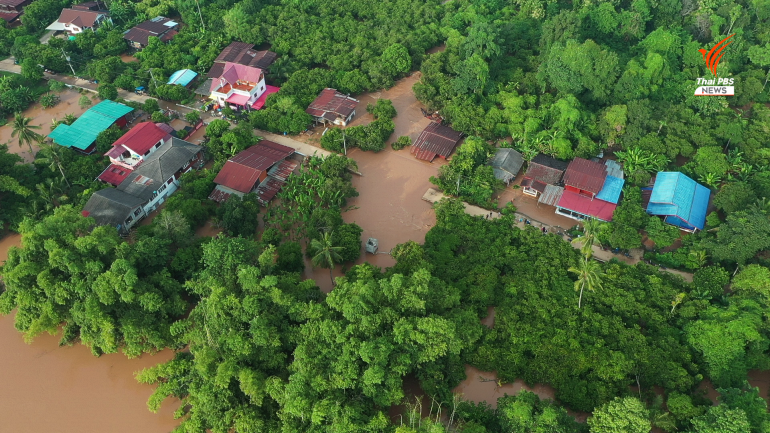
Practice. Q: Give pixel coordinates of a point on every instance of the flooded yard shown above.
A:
(42, 117)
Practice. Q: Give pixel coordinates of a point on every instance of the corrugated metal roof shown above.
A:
(541, 170)
(141, 138)
(242, 53)
(332, 101)
(581, 204)
(182, 77)
(675, 194)
(114, 174)
(83, 132)
(611, 190)
(437, 139)
(551, 195)
(585, 175)
(614, 169)
(242, 171)
(219, 195)
(111, 207)
(506, 164)
(158, 168)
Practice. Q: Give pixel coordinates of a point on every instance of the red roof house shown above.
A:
(333, 107)
(435, 139)
(11, 10)
(585, 177)
(578, 206)
(130, 150)
(242, 173)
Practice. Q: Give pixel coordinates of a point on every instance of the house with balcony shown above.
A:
(130, 150)
(146, 187)
(239, 87)
(81, 17)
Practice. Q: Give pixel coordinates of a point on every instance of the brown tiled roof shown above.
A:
(241, 53)
(585, 175)
(13, 3)
(332, 101)
(78, 18)
(242, 171)
(544, 170)
(435, 139)
(154, 27)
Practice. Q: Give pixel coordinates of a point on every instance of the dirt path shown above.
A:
(432, 196)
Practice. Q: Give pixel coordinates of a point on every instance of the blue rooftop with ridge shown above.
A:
(182, 77)
(680, 199)
(611, 189)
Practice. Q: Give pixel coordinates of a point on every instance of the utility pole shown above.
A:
(68, 62)
(153, 79)
(200, 15)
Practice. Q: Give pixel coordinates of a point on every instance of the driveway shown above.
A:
(48, 35)
(8, 66)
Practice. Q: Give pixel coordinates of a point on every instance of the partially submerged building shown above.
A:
(435, 140)
(146, 187)
(160, 27)
(681, 201)
(506, 164)
(332, 107)
(81, 135)
(261, 169)
(182, 77)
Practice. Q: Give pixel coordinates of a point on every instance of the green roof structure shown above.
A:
(82, 133)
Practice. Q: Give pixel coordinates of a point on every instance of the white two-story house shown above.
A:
(239, 86)
(129, 151)
(145, 188)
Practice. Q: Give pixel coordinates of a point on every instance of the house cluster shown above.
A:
(145, 166)
(584, 188)
(261, 169)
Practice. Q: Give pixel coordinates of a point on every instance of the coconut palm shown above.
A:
(590, 228)
(53, 157)
(25, 131)
(589, 276)
(325, 253)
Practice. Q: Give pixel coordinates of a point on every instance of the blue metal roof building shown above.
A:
(182, 77)
(681, 200)
(611, 190)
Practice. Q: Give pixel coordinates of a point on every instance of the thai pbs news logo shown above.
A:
(715, 86)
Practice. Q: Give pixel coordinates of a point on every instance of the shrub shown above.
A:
(56, 86)
(192, 117)
(382, 110)
(402, 142)
(49, 100)
(108, 91)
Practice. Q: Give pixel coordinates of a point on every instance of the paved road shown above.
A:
(48, 35)
(8, 66)
(433, 196)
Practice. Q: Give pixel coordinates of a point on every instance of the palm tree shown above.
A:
(69, 119)
(325, 253)
(53, 158)
(590, 227)
(589, 275)
(24, 130)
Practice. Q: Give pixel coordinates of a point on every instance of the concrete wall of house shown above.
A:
(136, 215)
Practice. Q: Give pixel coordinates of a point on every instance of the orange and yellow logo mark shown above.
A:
(713, 56)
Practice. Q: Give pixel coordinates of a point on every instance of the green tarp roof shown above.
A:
(82, 133)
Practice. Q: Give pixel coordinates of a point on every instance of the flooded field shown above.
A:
(47, 388)
(41, 117)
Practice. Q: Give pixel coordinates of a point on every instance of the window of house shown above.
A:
(161, 189)
(129, 219)
(138, 211)
(170, 180)
(157, 145)
(146, 153)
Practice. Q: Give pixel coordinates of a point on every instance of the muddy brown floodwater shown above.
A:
(6, 242)
(42, 117)
(47, 388)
